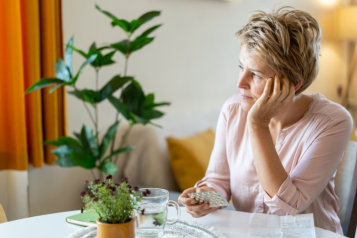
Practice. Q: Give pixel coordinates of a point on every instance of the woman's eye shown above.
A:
(240, 66)
(256, 76)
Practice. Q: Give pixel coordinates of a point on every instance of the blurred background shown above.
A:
(192, 63)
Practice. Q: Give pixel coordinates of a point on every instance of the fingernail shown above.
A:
(206, 207)
(193, 202)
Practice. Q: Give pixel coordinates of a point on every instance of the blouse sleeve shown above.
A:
(314, 170)
(217, 174)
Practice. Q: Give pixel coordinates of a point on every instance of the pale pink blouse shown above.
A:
(310, 151)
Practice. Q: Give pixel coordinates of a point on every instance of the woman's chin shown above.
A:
(246, 106)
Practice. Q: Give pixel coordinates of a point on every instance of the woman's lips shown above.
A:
(245, 97)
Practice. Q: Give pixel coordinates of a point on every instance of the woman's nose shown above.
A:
(243, 81)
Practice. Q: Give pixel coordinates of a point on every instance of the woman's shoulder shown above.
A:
(327, 108)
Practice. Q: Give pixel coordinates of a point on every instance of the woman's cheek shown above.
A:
(258, 89)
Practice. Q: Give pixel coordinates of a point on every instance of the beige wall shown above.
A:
(192, 63)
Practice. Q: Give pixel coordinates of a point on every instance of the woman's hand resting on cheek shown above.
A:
(190, 203)
(270, 103)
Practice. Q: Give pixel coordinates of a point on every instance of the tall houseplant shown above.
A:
(86, 149)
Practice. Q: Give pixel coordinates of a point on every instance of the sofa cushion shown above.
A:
(190, 157)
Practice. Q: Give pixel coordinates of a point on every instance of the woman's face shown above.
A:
(253, 76)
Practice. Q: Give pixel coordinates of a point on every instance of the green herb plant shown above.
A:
(86, 149)
(113, 202)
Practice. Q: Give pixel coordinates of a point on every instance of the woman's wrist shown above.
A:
(258, 125)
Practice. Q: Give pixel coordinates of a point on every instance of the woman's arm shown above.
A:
(271, 172)
(314, 171)
(294, 192)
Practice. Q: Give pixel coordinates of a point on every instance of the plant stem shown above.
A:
(122, 143)
(95, 107)
(120, 94)
(85, 105)
(93, 174)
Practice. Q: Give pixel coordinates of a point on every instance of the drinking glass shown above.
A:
(152, 213)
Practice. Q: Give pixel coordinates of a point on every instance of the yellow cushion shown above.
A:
(190, 157)
(2, 215)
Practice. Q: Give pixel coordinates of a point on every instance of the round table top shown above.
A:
(231, 223)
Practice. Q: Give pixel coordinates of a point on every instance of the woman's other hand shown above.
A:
(190, 203)
(271, 101)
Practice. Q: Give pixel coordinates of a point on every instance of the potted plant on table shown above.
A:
(115, 204)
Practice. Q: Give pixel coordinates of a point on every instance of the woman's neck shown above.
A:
(291, 113)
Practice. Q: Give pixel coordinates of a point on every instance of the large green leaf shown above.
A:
(113, 85)
(115, 21)
(151, 114)
(44, 83)
(76, 93)
(78, 136)
(134, 24)
(66, 140)
(149, 99)
(78, 51)
(107, 59)
(90, 96)
(125, 25)
(61, 70)
(87, 95)
(63, 154)
(108, 14)
(83, 159)
(136, 83)
(121, 150)
(108, 138)
(149, 102)
(139, 43)
(138, 119)
(150, 106)
(133, 99)
(89, 142)
(108, 168)
(55, 87)
(121, 108)
(88, 61)
(93, 46)
(68, 56)
(148, 16)
(148, 31)
(121, 46)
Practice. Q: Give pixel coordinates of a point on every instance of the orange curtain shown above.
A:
(30, 43)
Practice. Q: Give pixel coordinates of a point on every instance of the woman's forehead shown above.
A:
(249, 58)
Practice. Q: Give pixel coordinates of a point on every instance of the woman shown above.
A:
(276, 149)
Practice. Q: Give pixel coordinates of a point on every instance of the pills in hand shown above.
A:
(213, 198)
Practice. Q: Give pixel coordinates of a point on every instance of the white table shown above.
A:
(232, 223)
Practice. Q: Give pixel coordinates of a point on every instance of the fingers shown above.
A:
(266, 94)
(197, 208)
(185, 200)
(285, 90)
(276, 91)
(197, 214)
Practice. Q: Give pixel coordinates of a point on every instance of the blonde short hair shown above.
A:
(288, 40)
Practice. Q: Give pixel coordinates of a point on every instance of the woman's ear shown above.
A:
(298, 85)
